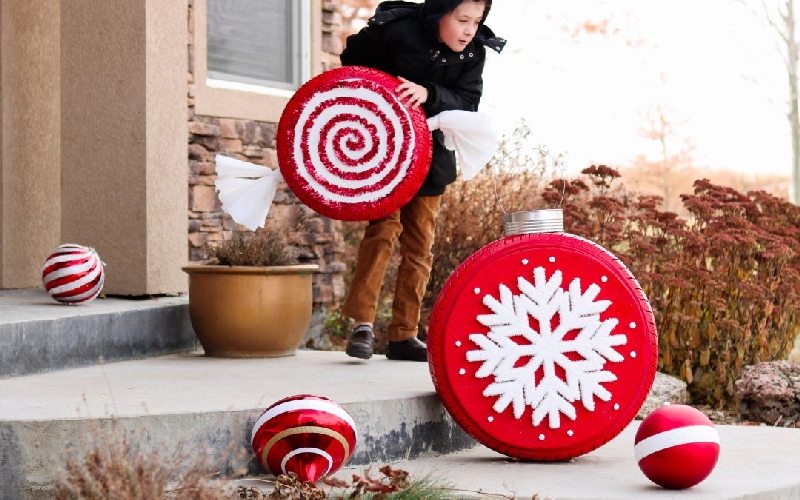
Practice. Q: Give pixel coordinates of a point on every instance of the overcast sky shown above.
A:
(586, 98)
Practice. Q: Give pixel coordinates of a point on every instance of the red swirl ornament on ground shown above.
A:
(309, 435)
(542, 346)
(349, 149)
(73, 274)
(676, 446)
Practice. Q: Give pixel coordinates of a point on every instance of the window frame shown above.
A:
(220, 98)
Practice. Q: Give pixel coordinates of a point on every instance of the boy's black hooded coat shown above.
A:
(402, 39)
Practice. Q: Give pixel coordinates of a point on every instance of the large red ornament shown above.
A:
(73, 274)
(309, 435)
(349, 148)
(677, 446)
(542, 346)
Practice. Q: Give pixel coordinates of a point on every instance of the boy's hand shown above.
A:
(411, 94)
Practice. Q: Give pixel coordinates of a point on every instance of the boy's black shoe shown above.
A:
(412, 349)
(361, 342)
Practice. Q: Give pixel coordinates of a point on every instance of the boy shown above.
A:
(437, 50)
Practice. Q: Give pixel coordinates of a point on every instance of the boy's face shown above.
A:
(458, 27)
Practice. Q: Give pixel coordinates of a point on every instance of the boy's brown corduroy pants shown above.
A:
(414, 226)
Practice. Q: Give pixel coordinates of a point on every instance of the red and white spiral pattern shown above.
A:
(73, 274)
(346, 144)
(353, 142)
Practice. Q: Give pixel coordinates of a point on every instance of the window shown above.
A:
(251, 55)
(257, 43)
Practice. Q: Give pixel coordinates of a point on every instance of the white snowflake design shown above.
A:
(500, 353)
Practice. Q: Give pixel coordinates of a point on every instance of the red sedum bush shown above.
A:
(724, 283)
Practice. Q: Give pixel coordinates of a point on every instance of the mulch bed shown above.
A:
(728, 417)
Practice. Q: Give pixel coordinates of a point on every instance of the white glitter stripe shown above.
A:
(67, 247)
(303, 404)
(77, 268)
(61, 257)
(315, 451)
(675, 437)
(85, 295)
(93, 265)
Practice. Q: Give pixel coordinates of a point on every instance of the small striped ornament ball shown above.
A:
(677, 446)
(73, 274)
(309, 435)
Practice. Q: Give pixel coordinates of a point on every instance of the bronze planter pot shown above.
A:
(250, 312)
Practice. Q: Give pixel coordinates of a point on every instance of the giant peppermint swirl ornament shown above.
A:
(349, 148)
(542, 345)
(309, 435)
(73, 274)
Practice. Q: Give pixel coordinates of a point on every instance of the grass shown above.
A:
(117, 466)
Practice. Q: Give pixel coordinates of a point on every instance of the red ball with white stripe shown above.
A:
(677, 446)
(309, 435)
(349, 148)
(73, 274)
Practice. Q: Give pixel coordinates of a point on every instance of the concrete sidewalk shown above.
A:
(213, 402)
(755, 462)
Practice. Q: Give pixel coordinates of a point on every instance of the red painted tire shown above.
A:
(349, 149)
(542, 346)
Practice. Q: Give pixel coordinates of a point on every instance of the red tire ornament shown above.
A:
(349, 148)
(676, 446)
(309, 435)
(542, 346)
(73, 274)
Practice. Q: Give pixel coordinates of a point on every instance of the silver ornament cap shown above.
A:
(550, 220)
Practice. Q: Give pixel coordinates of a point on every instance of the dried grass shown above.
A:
(264, 247)
(118, 466)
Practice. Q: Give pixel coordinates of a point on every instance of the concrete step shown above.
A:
(38, 334)
(197, 403)
(211, 404)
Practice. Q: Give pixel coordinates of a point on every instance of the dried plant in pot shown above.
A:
(252, 298)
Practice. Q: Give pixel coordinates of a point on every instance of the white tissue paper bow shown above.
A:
(470, 134)
(246, 190)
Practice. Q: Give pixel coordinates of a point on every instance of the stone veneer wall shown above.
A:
(255, 142)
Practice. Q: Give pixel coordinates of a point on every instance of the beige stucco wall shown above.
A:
(93, 134)
(124, 131)
(30, 212)
(167, 169)
(94, 139)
